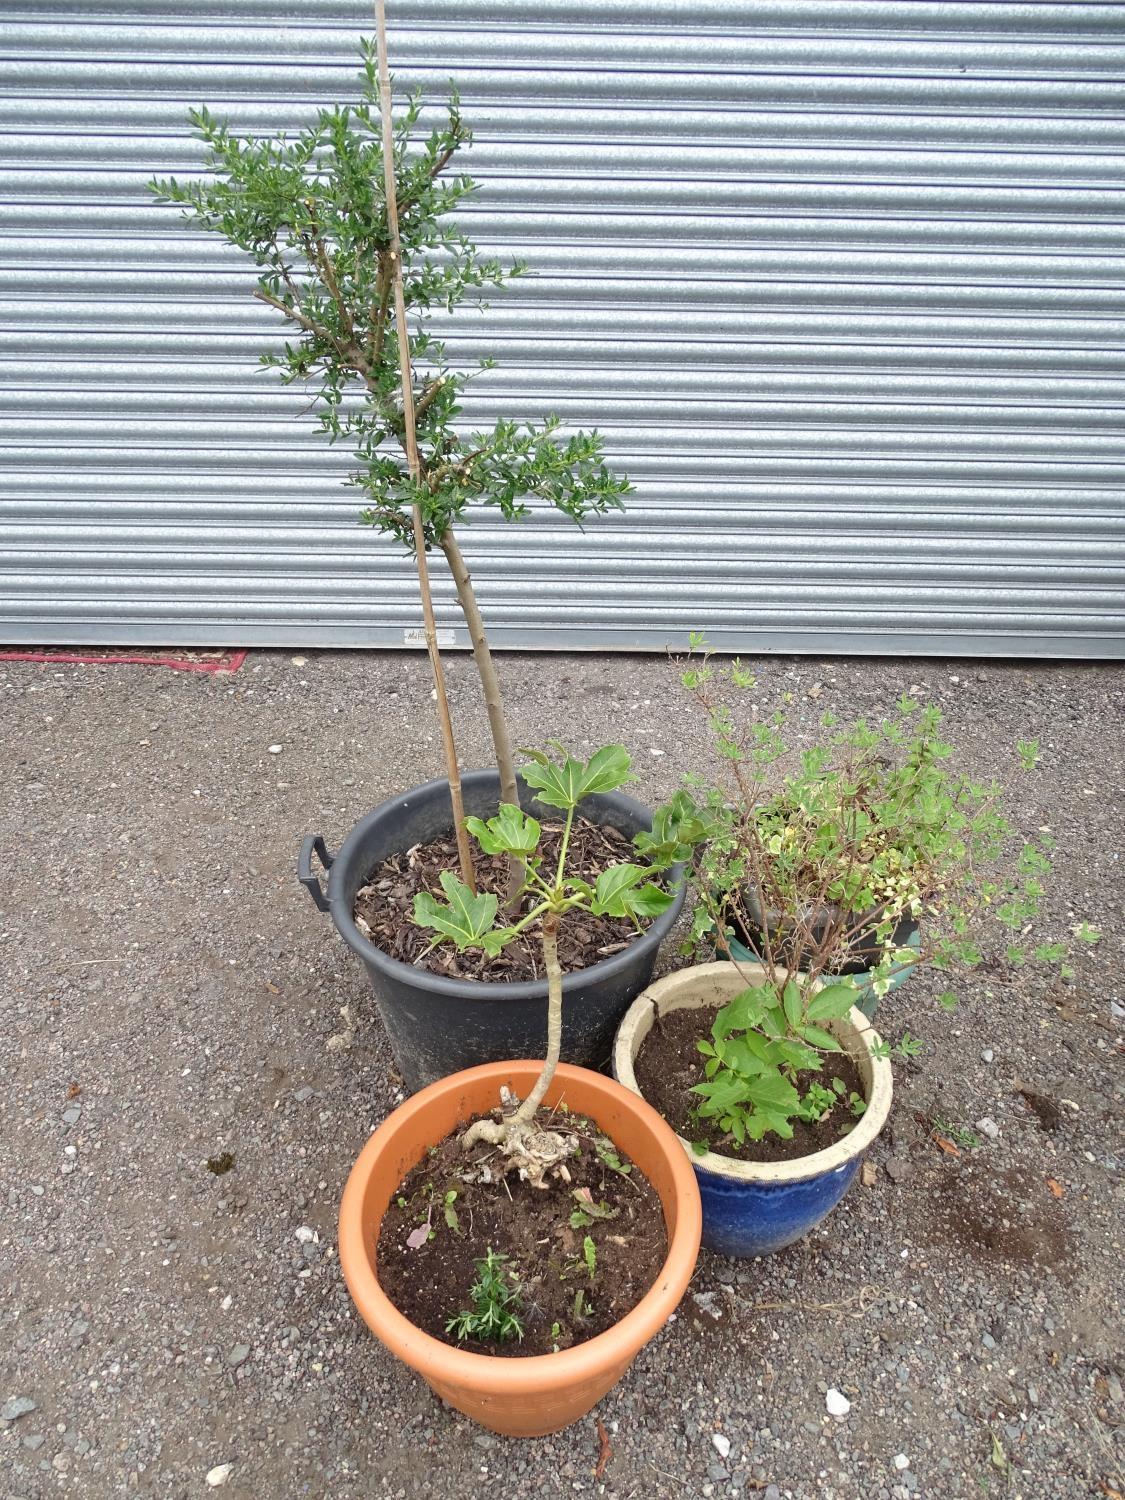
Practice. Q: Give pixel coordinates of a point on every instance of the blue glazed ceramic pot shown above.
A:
(754, 1208)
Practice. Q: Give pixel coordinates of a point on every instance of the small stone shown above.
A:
(722, 1444)
(16, 1407)
(837, 1403)
(987, 1055)
(988, 1126)
(771, 1492)
(901, 1461)
(238, 1356)
(219, 1475)
(37, 1190)
(273, 750)
(305, 1235)
(298, 661)
(225, 1304)
(988, 1341)
(72, 1115)
(868, 1175)
(34, 1441)
(302, 1094)
(897, 1169)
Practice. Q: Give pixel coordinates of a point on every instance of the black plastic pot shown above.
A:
(437, 1025)
(866, 950)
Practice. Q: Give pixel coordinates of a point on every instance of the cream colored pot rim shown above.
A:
(720, 982)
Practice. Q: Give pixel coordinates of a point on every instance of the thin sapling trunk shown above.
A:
(493, 701)
(536, 1152)
(464, 852)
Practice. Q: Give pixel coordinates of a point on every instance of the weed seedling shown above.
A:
(960, 1135)
(496, 1306)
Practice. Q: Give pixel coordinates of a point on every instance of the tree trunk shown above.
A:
(526, 1111)
(493, 701)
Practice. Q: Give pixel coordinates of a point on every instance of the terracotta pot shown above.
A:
(542, 1393)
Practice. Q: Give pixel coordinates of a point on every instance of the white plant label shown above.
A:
(416, 637)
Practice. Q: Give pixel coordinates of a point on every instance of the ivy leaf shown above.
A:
(465, 920)
(511, 831)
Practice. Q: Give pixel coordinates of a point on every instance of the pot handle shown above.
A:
(314, 844)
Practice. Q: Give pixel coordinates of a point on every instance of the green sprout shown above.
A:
(496, 1297)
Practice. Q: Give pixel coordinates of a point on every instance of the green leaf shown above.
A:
(791, 1003)
(467, 917)
(648, 900)
(832, 1002)
(565, 784)
(947, 1000)
(509, 832)
(613, 888)
(590, 1256)
(743, 1013)
(816, 1036)
(1087, 934)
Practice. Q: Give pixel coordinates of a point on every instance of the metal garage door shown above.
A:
(840, 281)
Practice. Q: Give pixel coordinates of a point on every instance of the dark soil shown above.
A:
(531, 1226)
(384, 907)
(669, 1064)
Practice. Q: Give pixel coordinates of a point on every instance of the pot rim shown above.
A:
(719, 977)
(504, 1375)
(491, 990)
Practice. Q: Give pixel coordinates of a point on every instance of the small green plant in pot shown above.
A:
(554, 1232)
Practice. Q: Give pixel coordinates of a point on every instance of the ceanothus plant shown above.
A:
(310, 209)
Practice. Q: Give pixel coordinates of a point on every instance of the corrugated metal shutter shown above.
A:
(840, 280)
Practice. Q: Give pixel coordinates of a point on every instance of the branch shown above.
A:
(427, 396)
(350, 353)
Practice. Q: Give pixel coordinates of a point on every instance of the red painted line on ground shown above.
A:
(231, 664)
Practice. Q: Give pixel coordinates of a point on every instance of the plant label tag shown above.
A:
(417, 637)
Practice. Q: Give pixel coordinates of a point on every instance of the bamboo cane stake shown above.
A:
(464, 853)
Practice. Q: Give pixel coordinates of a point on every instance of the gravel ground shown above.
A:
(170, 995)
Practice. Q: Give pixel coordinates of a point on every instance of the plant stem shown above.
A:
(493, 701)
(464, 853)
(563, 846)
(527, 1109)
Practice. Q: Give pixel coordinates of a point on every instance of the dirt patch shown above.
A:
(384, 907)
(567, 1293)
(669, 1065)
(1007, 1217)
